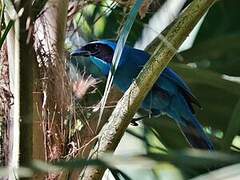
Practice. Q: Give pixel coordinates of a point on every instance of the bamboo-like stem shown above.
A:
(112, 132)
(13, 123)
(20, 59)
(25, 60)
(13, 129)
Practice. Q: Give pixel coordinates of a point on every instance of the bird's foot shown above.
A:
(134, 120)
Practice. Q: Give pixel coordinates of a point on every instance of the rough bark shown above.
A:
(5, 104)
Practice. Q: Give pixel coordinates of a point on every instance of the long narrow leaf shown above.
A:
(6, 31)
(227, 173)
(233, 127)
(118, 51)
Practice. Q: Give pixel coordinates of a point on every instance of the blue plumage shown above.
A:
(169, 95)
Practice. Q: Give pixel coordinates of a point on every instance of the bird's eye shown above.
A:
(96, 46)
(95, 49)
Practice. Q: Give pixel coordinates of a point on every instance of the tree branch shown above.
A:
(112, 132)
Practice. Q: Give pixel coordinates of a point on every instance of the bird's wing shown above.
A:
(141, 57)
(170, 75)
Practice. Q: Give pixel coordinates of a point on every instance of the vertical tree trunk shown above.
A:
(13, 121)
(25, 58)
(21, 58)
(5, 103)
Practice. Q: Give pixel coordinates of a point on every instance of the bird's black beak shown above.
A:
(80, 52)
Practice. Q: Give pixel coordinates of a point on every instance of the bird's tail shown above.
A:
(193, 131)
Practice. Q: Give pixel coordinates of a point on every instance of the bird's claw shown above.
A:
(134, 120)
(134, 123)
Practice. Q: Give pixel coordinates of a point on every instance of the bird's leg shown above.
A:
(134, 120)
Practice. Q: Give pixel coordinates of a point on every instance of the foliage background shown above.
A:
(156, 149)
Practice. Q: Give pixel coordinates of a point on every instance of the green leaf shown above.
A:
(233, 127)
(116, 19)
(228, 172)
(118, 51)
(217, 44)
(6, 31)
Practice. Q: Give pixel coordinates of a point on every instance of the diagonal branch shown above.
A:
(112, 132)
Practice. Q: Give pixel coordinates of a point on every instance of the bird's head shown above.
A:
(100, 52)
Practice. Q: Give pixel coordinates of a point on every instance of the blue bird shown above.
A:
(170, 94)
